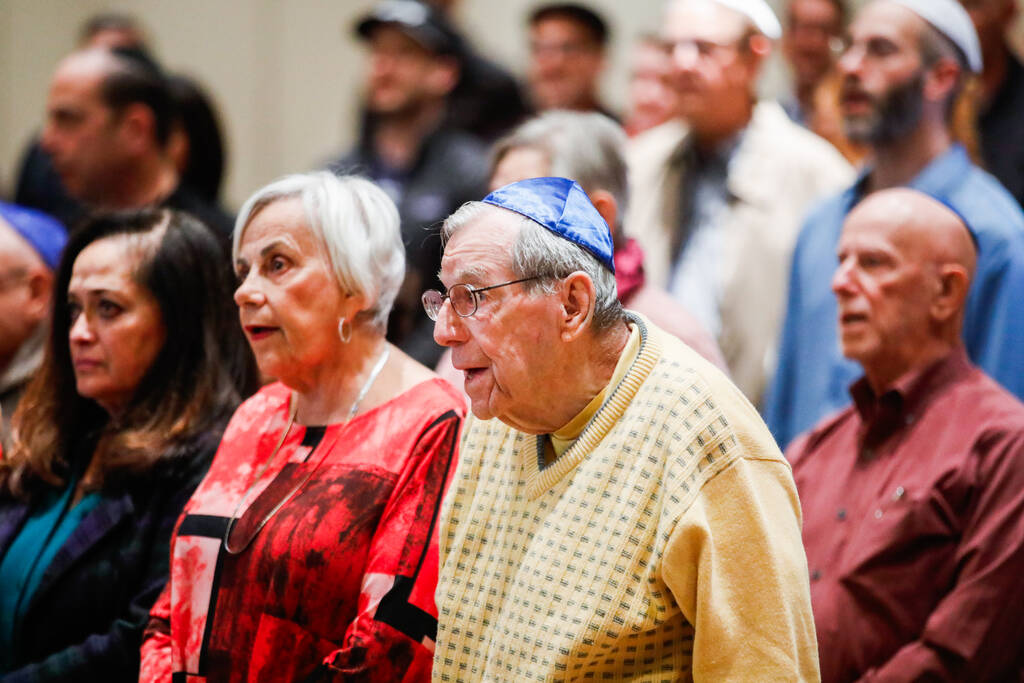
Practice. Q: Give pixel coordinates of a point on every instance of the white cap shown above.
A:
(952, 21)
(759, 13)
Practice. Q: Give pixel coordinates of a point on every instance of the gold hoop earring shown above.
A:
(345, 330)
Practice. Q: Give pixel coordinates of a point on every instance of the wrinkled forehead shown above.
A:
(482, 248)
(702, 20)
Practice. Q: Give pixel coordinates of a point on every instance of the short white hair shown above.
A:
(355, 224)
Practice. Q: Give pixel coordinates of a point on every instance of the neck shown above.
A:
(326, 394)
(589, 375)
(397, 137)
(887, 373)
(149, 182)
(709, 138)
(899, 162)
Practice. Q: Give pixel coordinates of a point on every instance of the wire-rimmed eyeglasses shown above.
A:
(464, 299)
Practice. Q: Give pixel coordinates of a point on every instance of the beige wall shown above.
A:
(285, 73)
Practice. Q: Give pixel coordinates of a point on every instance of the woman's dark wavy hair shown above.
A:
(196, 381)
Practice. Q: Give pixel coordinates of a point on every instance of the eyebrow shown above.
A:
(471, 273)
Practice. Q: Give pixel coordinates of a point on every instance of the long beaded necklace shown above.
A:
(291, 421)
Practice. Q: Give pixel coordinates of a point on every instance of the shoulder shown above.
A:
(790, 145)
(817, 437)
(257, 411)
(654, 147)
(990, 209)
(700, 408)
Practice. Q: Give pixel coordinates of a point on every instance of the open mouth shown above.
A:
(259, 331)
(852, 318)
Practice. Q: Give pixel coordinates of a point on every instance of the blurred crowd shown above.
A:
(237, 446)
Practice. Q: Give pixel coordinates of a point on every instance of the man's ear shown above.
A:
(604, 202)
(951, 295)
(578, 297)
(137, 127)
(940, 79)
(40, 288)
(444, 76)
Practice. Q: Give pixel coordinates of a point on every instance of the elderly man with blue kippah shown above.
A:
(30, 247)
(619, 509)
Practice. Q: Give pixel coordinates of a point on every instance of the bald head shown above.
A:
(25, 287)
(905, 267)
(925, 228)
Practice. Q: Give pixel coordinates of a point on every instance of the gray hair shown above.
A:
(583, 146)
(354, 223)
(539, 252)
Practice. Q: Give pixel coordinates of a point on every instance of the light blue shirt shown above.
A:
(813, 378)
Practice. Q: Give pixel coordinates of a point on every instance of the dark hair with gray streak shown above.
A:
(538, 252)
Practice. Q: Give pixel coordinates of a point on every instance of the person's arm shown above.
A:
(113, 655)
(974, 633)
(392, 636)
(735, 564)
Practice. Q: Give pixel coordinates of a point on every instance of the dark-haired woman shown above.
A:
(110, 439)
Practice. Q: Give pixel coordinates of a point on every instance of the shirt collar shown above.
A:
(938, 178)
(911, 393)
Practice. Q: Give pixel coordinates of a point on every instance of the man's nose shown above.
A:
(449, 328)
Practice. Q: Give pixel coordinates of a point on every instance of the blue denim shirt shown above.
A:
(812, 377)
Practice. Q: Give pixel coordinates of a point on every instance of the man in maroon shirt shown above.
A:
(913, 497)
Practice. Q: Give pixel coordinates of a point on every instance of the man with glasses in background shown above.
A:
(619, 510)
(30, 247)
(719, 192)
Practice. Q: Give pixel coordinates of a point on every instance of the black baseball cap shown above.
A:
(419, 21)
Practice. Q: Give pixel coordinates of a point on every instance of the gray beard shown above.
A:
(896, 115)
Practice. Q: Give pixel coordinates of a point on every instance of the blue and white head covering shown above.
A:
(561, 206)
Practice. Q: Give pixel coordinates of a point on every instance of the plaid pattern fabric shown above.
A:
(86, 619)
(563, 573)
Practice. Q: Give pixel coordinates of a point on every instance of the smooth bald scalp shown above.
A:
(920, 225)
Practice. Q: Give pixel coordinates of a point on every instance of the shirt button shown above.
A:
(878, 513)
(815, 575)
(841, 515)
(898, 493)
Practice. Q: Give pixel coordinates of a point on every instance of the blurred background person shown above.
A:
(111, 437)
(589, 148)
(904, 73)
(30, 246)
(1001, 108)
(109, 119)
(720, 191)
(310, 548)
(405, 145)
(195, 144)
(812, 38)
(487, 101)
(652, 101)
(568, 45)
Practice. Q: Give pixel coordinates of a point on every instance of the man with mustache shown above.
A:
(913, 514)
(902, 72)
(719, 193)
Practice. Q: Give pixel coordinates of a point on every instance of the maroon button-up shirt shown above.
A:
(913, 506)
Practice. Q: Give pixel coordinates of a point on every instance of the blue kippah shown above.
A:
(45, 234)
(561, 206)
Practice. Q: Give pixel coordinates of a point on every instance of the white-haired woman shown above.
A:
(309, 551)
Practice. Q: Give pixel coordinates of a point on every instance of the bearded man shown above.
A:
(901, 76)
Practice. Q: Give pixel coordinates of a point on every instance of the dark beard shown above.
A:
(897, 114)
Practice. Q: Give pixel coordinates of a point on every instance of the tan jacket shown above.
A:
(779, 171)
